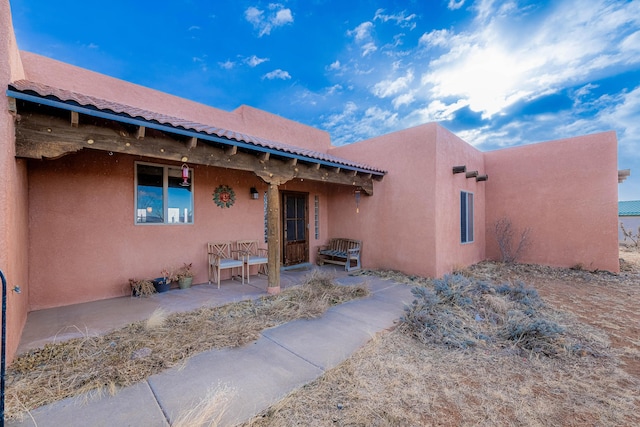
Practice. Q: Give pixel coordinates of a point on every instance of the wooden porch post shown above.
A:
(273, 238)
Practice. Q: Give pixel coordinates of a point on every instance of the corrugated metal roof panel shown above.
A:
(66, 96)
(630, 208)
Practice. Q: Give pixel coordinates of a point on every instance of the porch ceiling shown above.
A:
(51, 123)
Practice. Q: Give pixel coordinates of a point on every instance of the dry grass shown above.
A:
(396, 380)
(131, 354)
(209, 411)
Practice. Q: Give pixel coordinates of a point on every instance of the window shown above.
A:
(466, 217)
(316, 202)
(161, 196)
(266, 218)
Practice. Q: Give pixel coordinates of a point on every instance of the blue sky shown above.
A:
(496, 73)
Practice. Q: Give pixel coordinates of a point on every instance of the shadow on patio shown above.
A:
(98, 317)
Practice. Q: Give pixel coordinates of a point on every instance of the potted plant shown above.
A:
(141, 288)
(163, 284)
(185, 275)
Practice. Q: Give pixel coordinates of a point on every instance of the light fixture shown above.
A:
(254, 193)
(459, 169)
(185, 176)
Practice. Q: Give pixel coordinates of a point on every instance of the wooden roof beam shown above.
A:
(75, 119)
(140, 132)
(42, 136)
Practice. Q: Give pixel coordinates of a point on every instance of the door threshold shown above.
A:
(303, 266)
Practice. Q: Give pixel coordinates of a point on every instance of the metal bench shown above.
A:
(341, 251)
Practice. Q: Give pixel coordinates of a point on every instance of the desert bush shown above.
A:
(534, 334)
(141, 288)
(629, 234)
(462, 312)
(505, 235)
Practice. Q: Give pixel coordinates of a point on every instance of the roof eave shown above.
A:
(123, 118)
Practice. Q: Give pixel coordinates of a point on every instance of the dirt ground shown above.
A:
(610, 303)
(395, 381)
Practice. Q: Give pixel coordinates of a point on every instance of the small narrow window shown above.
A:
(266, 217)
(161, 196)
(466, 217)
(316, 200)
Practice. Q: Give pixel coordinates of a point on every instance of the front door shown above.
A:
(296, 245)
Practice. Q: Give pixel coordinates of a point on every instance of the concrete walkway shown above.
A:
(245, 380)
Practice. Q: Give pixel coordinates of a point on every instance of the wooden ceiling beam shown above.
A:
(42, 136)
(75, 119)
(140, 132)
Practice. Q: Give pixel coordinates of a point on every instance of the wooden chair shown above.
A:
(253, 255)
(221, 257)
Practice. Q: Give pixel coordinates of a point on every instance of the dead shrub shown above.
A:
(505, 235)
(629, 234)
(460, 312)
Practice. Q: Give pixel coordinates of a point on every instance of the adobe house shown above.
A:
(90, 192)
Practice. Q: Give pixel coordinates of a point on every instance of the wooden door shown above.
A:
(295, 233)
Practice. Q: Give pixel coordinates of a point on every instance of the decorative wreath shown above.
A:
(224, 196)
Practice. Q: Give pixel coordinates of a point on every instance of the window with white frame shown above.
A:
(466, 217)
(162, 195)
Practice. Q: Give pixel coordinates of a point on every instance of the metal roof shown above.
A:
(630, 208)
(65, 99)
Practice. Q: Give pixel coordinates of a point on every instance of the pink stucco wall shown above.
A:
(85, 246)
(412, 222)
(244, 119)
(451, 254)
(566, 192)
(395, 224)
(13, 193)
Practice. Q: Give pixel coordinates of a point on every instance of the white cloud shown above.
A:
(227, 65)
(193, 28)
(495, 66)
(369, 48)
(277, 74)
(387, 88)
(454, 5)
(402, 20)
(334, 89)
(277, 16)
(254, 61)
(352, 124)
(362, 32)
(403, 99)
(438, 38)
(283, 16)
(623, 115)
(335, 66)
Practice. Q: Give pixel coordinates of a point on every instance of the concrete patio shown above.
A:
(250, 378)
(97, 317)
